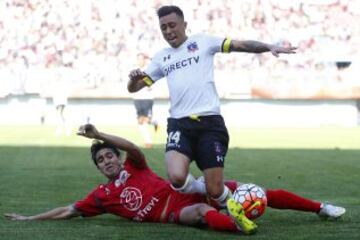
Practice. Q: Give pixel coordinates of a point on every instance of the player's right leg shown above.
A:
(178, 157)
(177, 166)
(238, 214)
(203, 213)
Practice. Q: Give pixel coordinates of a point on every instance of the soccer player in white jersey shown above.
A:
(196, 130)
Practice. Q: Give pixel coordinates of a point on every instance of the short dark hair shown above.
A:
(166, 10)
(98, 145)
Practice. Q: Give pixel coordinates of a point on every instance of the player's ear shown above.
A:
(185, 25)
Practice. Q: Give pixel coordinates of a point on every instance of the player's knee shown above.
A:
(203, 208)
(177, 168)
(177, 179)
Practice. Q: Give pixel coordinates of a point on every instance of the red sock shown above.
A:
(282, 199)
(220, 222)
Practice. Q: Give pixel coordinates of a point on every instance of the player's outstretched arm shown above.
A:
(133, 151)
(56, 213)
(136, 81)
(259, 47)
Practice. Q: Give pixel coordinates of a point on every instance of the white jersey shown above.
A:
(189, 70)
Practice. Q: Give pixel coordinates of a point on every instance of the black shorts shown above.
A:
(144, 107)
(204, 140)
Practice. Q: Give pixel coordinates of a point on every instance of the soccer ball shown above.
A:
(252, 198)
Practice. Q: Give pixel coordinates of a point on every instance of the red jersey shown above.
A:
(137, 194)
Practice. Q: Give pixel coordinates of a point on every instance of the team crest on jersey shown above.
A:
(192, 47)
(124, 175)
(131, 198)
(166, 58)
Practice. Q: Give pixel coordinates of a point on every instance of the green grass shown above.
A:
(39, 171)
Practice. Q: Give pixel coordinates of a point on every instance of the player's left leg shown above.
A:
(210, 155)
(142, 119)
(282, 199)
(215, 187)
(146, 114)
(220, 193)
(151, 121)
(214, 182)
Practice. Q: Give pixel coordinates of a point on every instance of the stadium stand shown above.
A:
(93, 44)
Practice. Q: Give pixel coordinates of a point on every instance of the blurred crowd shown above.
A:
(90, 46)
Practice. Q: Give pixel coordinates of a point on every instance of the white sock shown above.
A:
(191, 185)
(223, 197)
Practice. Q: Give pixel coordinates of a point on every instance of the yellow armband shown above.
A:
(226, 45)
(148, 81)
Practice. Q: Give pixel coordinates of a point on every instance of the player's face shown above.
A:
(173, 29)
(108, 163)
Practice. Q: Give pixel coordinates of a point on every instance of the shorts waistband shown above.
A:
(196, 117)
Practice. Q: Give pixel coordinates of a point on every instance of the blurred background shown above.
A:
(68, 61)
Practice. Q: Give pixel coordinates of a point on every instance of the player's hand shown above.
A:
(16, 217)
(136, 75)
(88, 130)
(276, 50)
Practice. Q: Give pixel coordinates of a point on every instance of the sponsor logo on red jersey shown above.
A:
(131, 198)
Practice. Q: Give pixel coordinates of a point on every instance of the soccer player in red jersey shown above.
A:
(135, 192)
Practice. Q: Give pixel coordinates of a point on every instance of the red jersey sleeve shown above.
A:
(141, 163)
(90, 206)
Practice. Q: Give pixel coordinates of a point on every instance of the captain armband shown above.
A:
(226, 45)
(148, 81)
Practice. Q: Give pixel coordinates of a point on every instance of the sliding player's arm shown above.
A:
(134, 153)
(56, 213)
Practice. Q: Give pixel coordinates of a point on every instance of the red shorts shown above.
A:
(178, 201)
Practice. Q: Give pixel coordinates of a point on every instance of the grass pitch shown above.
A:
(39, 171)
